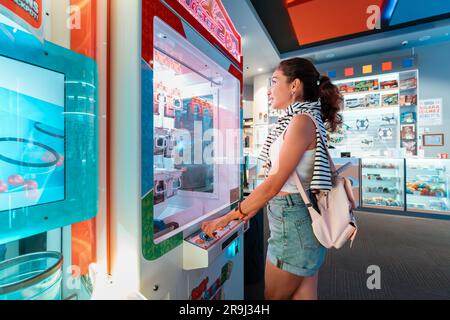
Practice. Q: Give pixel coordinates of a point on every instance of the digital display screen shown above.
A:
(32, 135)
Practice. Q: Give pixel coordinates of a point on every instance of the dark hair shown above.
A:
(315, 86)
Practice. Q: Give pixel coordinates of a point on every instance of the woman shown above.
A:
(294, 255)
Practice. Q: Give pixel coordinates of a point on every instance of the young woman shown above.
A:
(294, 255)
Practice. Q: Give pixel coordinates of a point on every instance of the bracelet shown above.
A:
(240, 211)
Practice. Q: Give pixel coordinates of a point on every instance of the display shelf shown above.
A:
(380, 168)
(382, 193)
(427, 181)
(359, 109)
(363, 93)
(426, 196)
(384, 179)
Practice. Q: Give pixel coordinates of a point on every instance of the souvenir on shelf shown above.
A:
(348, 87)
(390, 100)
(351, 103)
(410, 146)
(409, 83)
(408, 117)
(408, 132)
(389, 84)
(408, 100)
(366, 85)
(388, 119)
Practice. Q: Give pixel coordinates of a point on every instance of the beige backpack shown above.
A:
(333, 223)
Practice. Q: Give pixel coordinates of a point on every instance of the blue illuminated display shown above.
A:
(31, 135)
(234, 248)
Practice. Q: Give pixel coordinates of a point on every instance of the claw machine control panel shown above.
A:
(200, 249)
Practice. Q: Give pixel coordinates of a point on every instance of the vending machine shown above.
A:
(183, 166)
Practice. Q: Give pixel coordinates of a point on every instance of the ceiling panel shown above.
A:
(300, 24)
(408, 11)
(319, 20)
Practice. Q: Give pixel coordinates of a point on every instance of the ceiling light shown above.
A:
(424, 38)
(162, 36)
(260, 69)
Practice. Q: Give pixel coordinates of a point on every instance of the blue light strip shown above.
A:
(389, 10)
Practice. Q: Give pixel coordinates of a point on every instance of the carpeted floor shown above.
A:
(413, 256)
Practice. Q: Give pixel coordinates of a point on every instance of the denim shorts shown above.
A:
(292, 245)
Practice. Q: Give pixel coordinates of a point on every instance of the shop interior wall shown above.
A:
(248, 101)
(434, 82)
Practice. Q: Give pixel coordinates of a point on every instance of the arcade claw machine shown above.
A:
(184, 164)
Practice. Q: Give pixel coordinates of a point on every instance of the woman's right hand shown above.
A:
(209, 227)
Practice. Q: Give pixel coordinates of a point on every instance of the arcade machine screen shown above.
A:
(32, 135)
(196, 133)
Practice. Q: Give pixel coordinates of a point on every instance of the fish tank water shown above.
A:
(35, 276)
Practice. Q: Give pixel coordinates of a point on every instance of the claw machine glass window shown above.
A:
(383, 183)
(427, 185)
(196, 115)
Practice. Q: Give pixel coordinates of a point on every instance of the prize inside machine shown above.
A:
(379, 116)
(197, 136)
(383, 183)
(427, 183)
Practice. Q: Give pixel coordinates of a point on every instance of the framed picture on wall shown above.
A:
(433, 140)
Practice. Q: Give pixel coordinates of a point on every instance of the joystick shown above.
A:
(205, 237)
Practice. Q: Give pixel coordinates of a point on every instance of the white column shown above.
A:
(125, 144)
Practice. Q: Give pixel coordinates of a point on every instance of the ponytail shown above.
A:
(331, 101)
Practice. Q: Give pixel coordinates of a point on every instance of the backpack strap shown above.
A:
(312, 212)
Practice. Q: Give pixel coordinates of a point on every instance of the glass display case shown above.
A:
(427, 185)
(383, 183)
